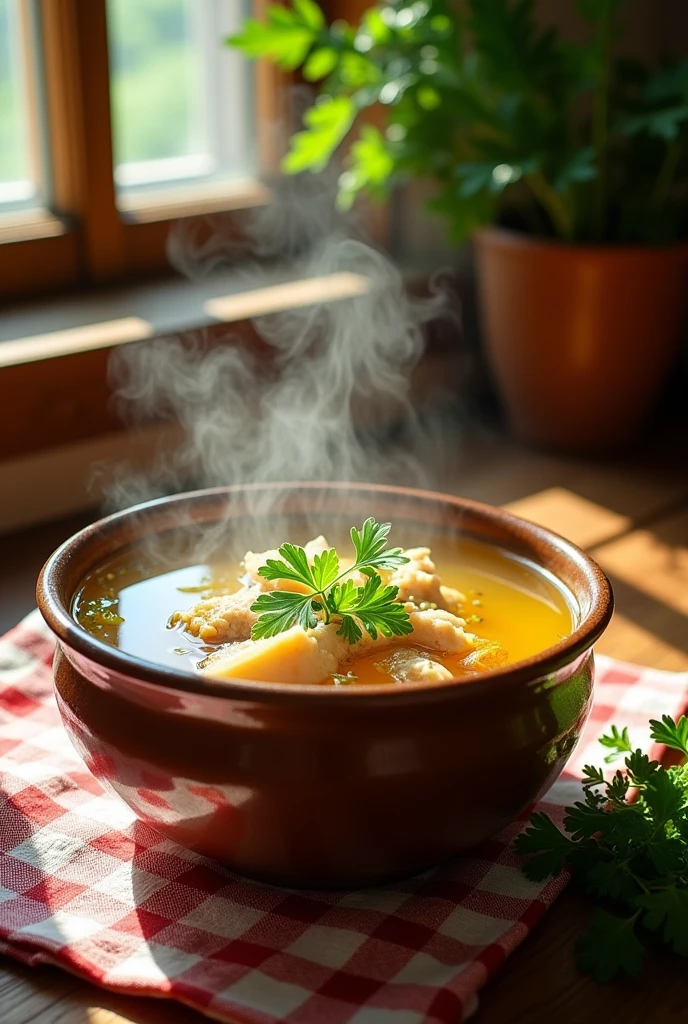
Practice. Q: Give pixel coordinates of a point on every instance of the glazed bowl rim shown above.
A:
(77, 639)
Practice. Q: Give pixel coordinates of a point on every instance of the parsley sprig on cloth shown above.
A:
(627, 843)
(330, 594)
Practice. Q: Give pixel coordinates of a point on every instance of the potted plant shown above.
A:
(567, 162)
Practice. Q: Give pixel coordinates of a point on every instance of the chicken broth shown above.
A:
(510, 608)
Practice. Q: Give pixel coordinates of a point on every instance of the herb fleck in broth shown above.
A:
(128, 603)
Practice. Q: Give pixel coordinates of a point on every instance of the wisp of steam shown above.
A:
(330, 396)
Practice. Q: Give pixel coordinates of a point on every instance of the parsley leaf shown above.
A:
(280, 610)
(610, 947)
(350, 629)
(375, 606)
(551, 846)
(619, 742)
(343, 597)
(640, 768)
(330, 593)
(665, 797)
(592, 776)
(671, 734)
(325, 569)
(667, 909)
(370, 542)
(626, 843)
(295, 566)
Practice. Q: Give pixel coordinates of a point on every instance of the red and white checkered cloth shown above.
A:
(86, 886)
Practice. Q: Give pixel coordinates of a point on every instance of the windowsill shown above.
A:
(187, 200)
(26, 225)
(89, 321)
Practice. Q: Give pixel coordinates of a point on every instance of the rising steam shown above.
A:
(328, 399)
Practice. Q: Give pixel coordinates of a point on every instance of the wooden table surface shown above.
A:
(632, 515)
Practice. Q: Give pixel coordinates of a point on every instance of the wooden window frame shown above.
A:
(86, 237)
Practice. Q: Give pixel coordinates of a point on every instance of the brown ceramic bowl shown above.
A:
(317, 786)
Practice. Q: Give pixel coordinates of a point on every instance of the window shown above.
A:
(20, 156)
(180, 102)
(117, 117)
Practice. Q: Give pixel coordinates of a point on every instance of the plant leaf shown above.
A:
(320, 63)
(611, 947)
(617, 788)
(668, 82)
(522, 56)
(343, 597)
(350, 629)
(606, 878)
(547, 844)
(672, 734)
(295, 567)
(666, 911)
(327, 122)
(370, 542)
(618, 742)
(665, 124)
(668, 855)
(310, 14)
(325, 569)
(579, 167)
(379, 611)
(597, 10)
(665, 798)
(281, 39)
(640, 767)
(583, 821)
(592, 776)
(280, 610)
(375, 27)
(371, 166)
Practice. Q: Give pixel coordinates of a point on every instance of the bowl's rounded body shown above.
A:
(314, 786)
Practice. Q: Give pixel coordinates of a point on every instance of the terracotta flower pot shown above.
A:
(580, 338)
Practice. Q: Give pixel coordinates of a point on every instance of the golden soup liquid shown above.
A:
(128, 603)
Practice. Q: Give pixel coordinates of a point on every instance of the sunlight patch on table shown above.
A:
(651, 564)
(578, 519)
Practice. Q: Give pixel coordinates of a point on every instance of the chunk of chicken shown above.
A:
(439, 630)
(405, 665)
(418, 582)
(254, 560)
(220, 620)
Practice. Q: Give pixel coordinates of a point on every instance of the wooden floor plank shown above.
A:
(653, 560)
(583, 521)
(649, 573)
(541, 984)
(48, 995)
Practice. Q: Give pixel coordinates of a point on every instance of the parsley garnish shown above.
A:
(632, 854)
(331, 596)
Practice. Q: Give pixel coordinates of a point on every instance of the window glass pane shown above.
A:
(180, 99)
(18, 172)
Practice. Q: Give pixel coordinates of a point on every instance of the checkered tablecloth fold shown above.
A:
(85, 885)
